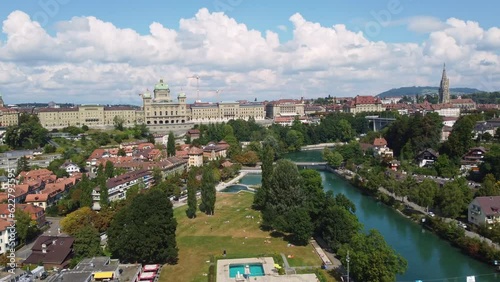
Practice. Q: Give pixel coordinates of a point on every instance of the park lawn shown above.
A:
(233, 229)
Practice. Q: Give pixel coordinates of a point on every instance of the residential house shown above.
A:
(213, 151)
(37, 214)
(464, 104)
(118, 186)
(472, 159)
(6, 229)
(38, 200)
(70, 167)
(484, 210)
(381, 149)
(193, 134)
(37, 174)
(195, 157)
(51, 251)
(426, 157)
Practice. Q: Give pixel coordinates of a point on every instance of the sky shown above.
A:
(108, 52)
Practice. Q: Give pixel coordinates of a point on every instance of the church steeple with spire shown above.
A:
(444, 88)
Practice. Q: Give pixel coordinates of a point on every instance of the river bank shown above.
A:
(463, 245)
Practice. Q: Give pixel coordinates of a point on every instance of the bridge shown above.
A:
(314, 165)
(378, 122)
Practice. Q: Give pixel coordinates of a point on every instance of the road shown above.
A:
(25, 251)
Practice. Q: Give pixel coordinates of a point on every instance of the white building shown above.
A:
(484, 210)
(4, 235)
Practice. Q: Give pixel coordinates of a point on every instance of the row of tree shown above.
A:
(293, 202)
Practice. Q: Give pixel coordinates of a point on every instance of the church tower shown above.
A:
(444, 88)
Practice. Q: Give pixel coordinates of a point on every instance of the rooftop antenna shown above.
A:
(197, 85)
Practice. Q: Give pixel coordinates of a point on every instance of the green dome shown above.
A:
(182, 95)
(146, 94)
(161, 85)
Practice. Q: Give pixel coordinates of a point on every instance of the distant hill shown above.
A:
(422, 90)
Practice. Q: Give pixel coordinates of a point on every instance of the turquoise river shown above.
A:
(429, 257)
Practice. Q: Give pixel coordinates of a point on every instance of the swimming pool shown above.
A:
(255, 269)
(234, 188)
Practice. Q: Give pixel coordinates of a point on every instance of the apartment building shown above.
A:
(118, 186)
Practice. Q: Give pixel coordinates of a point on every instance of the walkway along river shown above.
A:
(429, 257)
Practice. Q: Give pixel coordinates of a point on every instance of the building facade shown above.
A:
(484, 210)
(362, 104)
(93, 116)
(285, 107)
(162, 113)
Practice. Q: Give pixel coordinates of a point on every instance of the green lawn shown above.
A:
(233, 229)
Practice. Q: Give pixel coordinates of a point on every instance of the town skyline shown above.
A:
(85, 56)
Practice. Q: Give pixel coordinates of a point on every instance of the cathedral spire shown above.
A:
(444, 88)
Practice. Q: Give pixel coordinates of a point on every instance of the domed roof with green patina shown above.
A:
(182, 95)
(146, 94)
(161, 85)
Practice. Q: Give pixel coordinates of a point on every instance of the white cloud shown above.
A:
(425, 24)
(92, 61)
(282, 28)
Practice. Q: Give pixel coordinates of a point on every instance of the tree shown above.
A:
(208, 192)
(171, 144)
(25, 228)
(461, 137)
(285, 194)
(87, 243)
(109, 169)
(375, 260)
(28, 134)
(425, 193)
(151, 138)
(334, 159)
(489, 187)
(77, 220)
(294, 140)
(491, 162)
(338, 226)
(103, 195)
(445, 167)
(454, 197)
(22, 165)
(157, 175)
(192, 187)
(118, 123)
(259, 201)
(149, 213)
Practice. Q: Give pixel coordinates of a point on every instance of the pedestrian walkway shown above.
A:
(321, 253)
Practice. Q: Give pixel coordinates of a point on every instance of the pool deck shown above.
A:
(270, 273)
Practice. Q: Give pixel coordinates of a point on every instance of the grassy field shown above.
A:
(234, 228)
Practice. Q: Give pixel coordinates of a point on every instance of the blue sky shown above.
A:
(412, 28)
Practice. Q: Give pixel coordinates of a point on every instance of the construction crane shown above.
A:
(197, 85)
(218, 91)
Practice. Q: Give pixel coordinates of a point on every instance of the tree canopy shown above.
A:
(28, 134)
(372, 259)
(149, 213)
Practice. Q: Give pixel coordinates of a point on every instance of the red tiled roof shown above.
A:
(195, 151)
(379, 142)
(4, 224)
(366, 100)
(37, 198)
